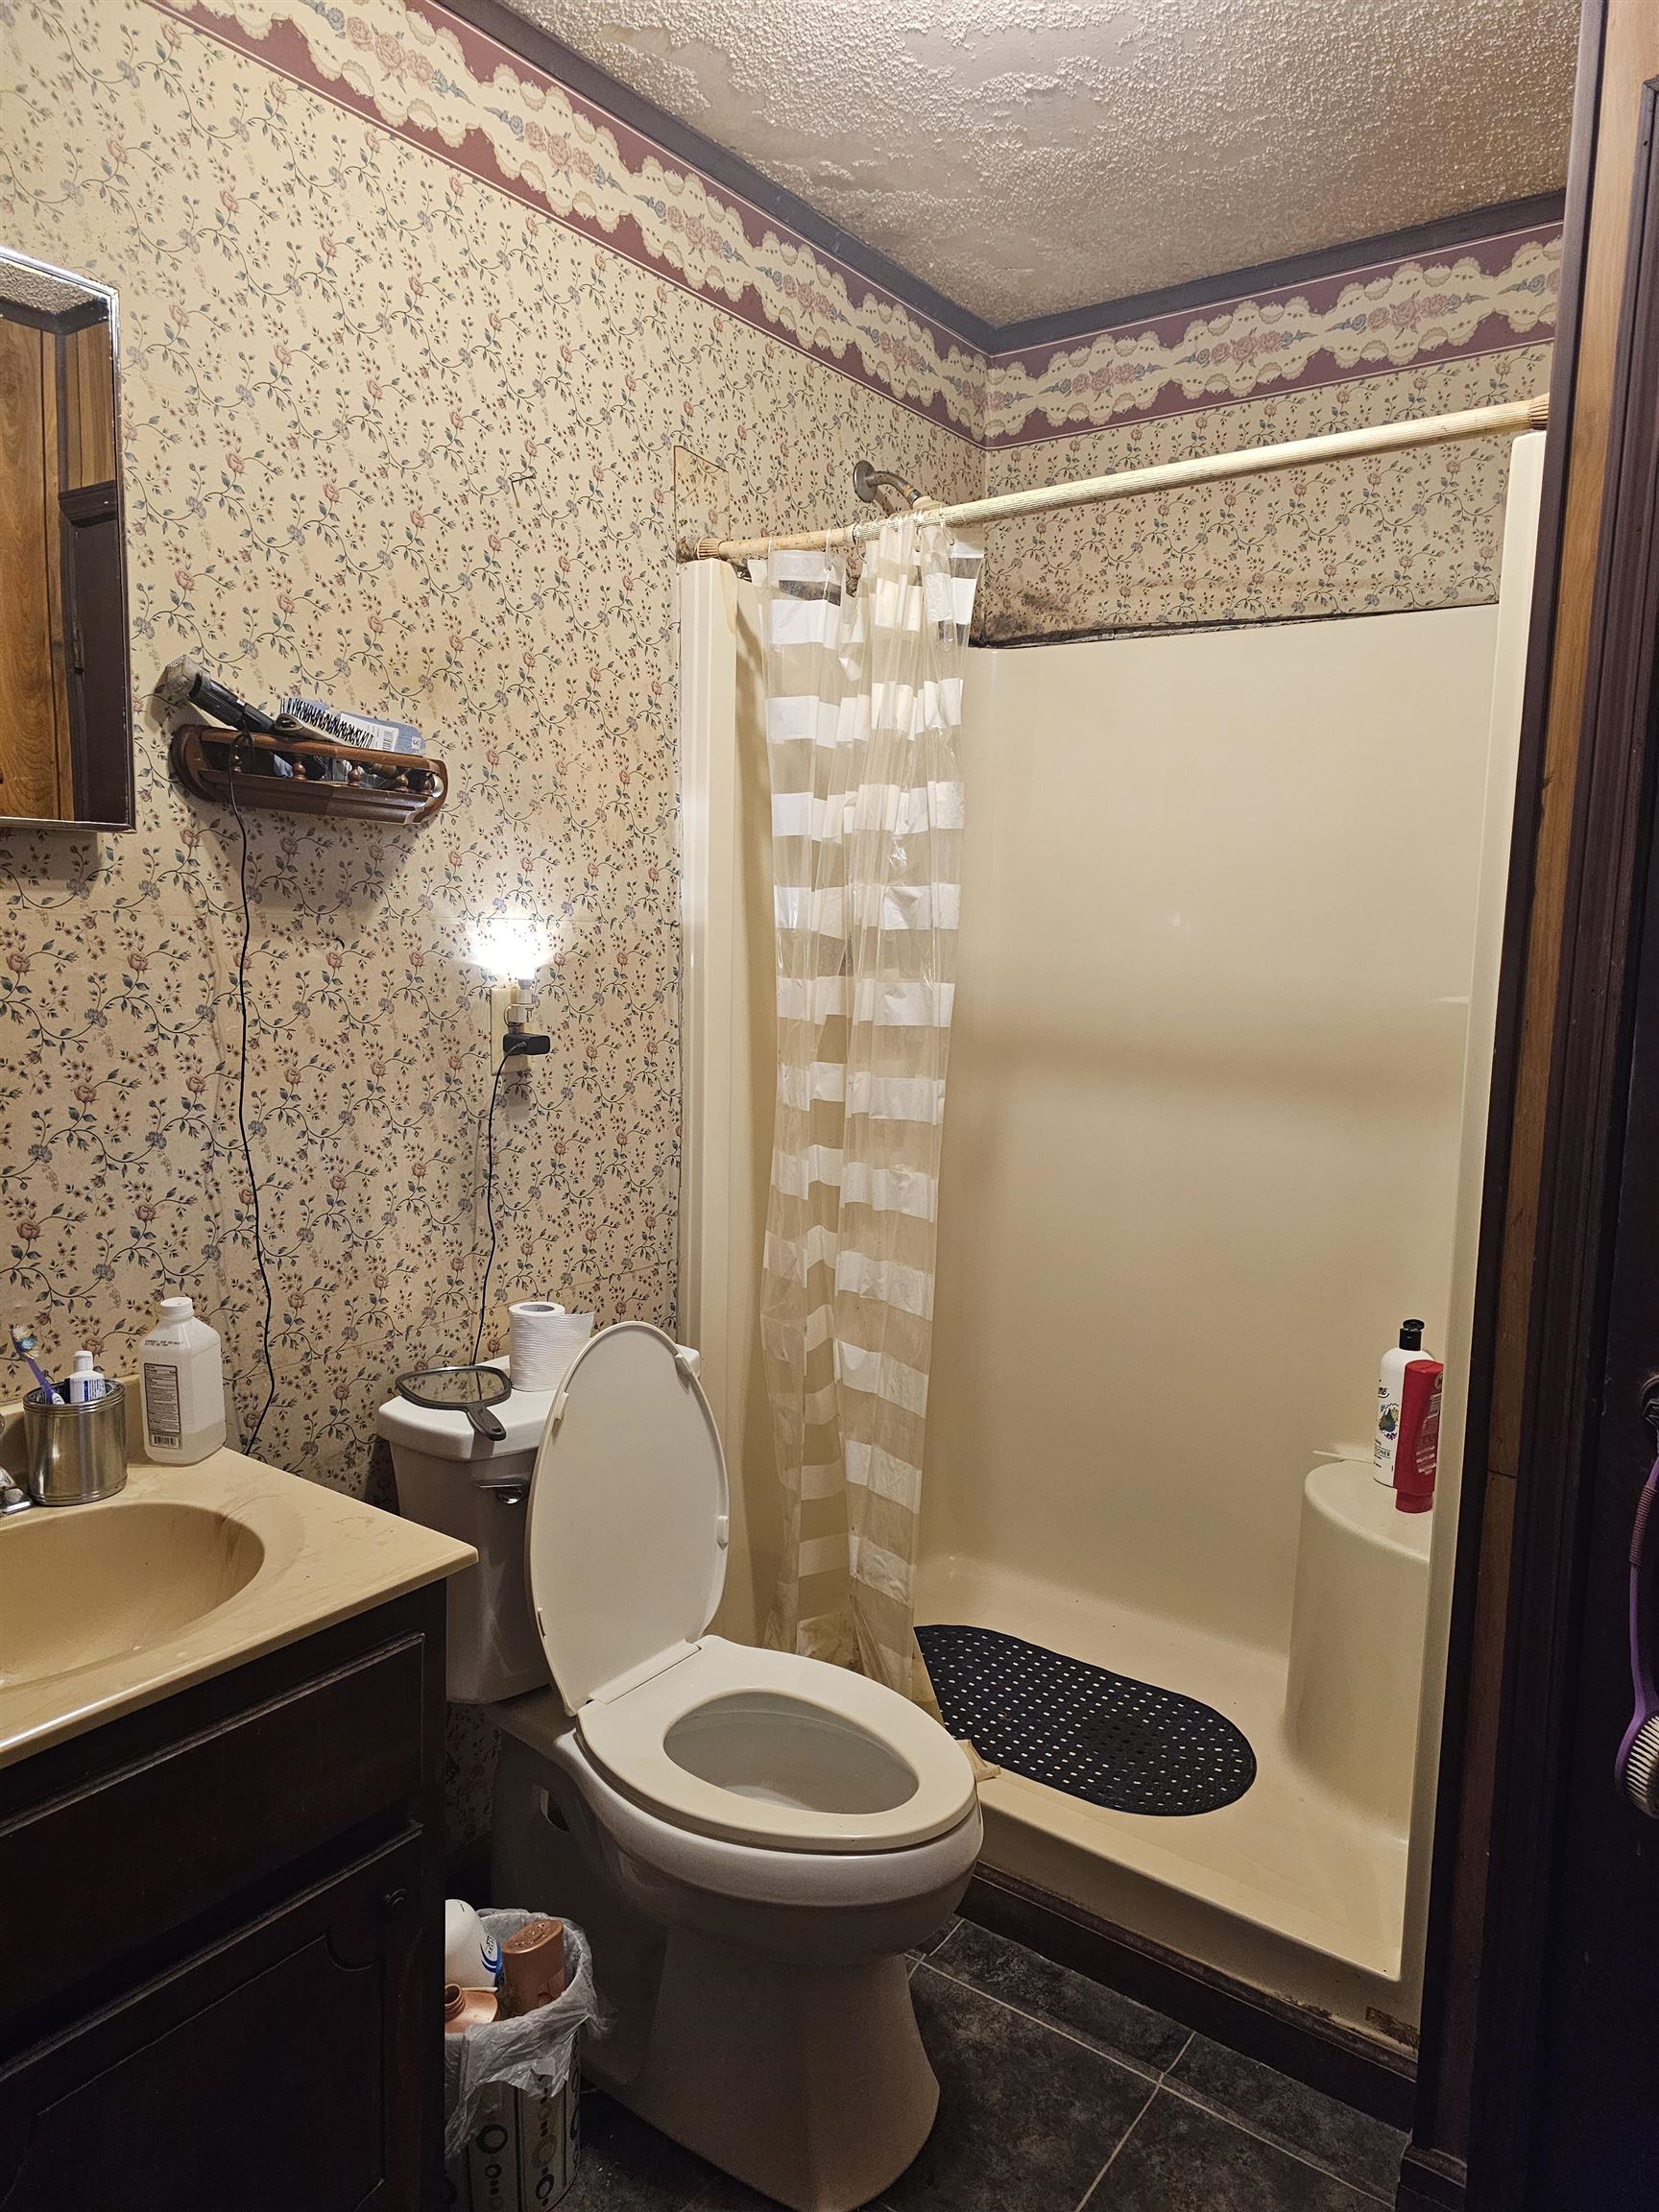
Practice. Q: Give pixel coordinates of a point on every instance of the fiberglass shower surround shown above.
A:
(1216, 1054)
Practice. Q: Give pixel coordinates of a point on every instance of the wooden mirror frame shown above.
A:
(118, 778)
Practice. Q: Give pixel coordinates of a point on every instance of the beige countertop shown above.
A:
(187, 1573)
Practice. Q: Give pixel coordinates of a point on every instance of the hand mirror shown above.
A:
(468, 1390)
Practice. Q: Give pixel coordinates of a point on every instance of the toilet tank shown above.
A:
(451, 1478)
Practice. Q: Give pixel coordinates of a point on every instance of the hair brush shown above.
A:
(1638, 1763)
(348, 728)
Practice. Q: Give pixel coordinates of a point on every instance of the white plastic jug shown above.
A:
(181, 1374)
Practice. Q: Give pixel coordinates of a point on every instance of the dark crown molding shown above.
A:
(578, 75)
(596, 86)
(1355, 254)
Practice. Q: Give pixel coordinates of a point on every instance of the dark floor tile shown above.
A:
(724, 2194)
(1183, 2159)
(626, 2166)
(655, 2170)
(940, 1935)
(1351, 2143)
(1026, 2117)
(1113, 2024)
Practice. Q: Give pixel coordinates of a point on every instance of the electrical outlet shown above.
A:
(505, 1002)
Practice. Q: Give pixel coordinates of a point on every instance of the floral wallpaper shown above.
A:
(1380, 344)
(1380, 534)
(468, 99)
(425, 366)
(393, 435)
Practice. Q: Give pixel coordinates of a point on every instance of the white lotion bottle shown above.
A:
(1390, 1382)
(182, 1377)
(85, 1383)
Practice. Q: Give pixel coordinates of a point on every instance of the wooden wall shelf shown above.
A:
(200, 756)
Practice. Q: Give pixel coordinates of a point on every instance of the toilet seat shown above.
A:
(750, 1873)
(764, 1748)
(625, 1558)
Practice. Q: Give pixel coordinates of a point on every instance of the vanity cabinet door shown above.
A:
(291, 2068)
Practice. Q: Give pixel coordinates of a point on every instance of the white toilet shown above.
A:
(752, 1840)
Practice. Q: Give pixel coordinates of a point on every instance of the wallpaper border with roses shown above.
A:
(468, 98)
(471, 101)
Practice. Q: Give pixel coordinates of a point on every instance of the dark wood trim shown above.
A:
(1578, 1193)
(60, 384)
(1362, 2071)
(1449, 230)
(91, 502)
(588, 81)
(1441, 2015)
(1430, 2182)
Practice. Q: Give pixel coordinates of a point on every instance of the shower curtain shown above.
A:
(863, 703)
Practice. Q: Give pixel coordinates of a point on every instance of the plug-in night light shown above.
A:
(509, 947)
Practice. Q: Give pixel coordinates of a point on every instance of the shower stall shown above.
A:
(1230, 920)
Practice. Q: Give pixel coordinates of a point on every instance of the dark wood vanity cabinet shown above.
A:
(221, 1936)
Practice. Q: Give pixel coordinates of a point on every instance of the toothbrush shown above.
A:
(23, 1343)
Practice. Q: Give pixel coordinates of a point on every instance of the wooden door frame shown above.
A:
(1560, 1092)
(1579, 1194)
(1435, 2163)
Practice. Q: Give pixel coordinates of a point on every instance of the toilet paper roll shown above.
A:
(543, 1341)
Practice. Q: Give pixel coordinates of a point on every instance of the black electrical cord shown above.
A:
(242, 1111)
(489, 1204)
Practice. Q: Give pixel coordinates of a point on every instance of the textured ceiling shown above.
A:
(1024, 156)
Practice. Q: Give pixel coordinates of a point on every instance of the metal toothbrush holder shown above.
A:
(75, 1454)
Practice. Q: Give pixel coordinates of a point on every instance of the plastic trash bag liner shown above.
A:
(534, 2052)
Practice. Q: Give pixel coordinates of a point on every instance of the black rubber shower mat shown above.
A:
(1104, 1738)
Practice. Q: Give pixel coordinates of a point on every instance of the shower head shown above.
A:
(883, 487)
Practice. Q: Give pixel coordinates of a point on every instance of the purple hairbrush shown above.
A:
(1637, 1765)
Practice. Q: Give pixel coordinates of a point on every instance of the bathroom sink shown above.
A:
(187, 1573)
(83, 1585)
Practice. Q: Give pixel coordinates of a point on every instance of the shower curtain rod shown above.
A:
(1510, 417)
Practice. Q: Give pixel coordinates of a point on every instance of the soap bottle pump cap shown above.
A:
(1410, 1335)
(182, 1309)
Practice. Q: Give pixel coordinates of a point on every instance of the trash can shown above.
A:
(511, 2090)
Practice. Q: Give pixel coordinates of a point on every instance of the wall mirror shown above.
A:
(65, 700)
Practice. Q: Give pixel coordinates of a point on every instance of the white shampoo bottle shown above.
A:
(182, 1377)
(1389, 1383)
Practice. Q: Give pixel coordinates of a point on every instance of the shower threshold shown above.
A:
(1289, 1886)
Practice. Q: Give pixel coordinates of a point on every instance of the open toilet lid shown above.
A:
(625, 1539)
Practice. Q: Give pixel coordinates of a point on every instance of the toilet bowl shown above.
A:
(753, 1840)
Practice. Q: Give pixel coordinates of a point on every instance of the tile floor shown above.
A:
(1055, 2095)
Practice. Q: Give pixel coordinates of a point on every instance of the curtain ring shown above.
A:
(854, 561)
